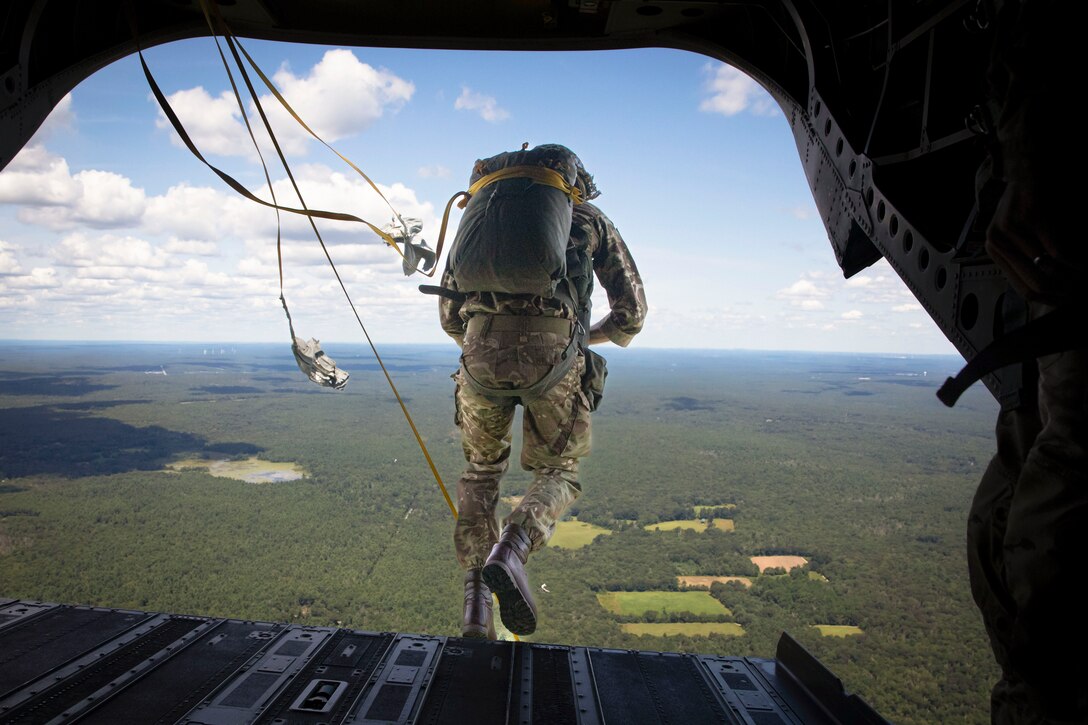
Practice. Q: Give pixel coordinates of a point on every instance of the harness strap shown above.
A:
(1054, 332)
(539, 174)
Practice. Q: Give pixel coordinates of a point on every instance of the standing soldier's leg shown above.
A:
(485, 437)
(986, 525)
(1045, 542)
(556, 434)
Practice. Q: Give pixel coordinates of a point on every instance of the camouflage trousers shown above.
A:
(555, 435)
(1027, 536)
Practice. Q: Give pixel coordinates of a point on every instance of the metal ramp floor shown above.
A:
(64, 664)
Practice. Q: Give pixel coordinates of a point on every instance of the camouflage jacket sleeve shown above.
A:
(449, 311)
(617, 273)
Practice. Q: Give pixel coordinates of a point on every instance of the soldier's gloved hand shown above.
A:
(1035, 250)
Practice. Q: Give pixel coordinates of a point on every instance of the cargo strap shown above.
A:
(484, 324)
(539, 174)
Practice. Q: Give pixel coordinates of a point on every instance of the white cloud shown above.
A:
(51, 196)
(879, 285)
(732, 92)
(908, 307)
(61, 118)
(106, 252)
(8, 263)
(204, 213)
(486, 106)
(213, 124)
(192, 246)
(37, 177)
(338, 97)
(802, 289)
(342, 95)
(852, 315)
(39, 278)
(810, 305)
(437, 171)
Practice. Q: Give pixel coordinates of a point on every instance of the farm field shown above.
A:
(690, 629)
(838, 630)
(778, 562)
(250, 470)
(635, 603)
(576, 534)
(704, 582)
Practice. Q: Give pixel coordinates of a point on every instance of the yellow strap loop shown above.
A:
(539, 174)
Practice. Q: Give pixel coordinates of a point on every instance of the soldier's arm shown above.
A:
(618, 274)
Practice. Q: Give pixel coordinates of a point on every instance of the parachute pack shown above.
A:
(513, 235)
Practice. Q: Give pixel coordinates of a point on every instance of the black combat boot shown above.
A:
(504, 572)
(478, 622)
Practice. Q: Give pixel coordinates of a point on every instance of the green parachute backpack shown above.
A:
(513, 235)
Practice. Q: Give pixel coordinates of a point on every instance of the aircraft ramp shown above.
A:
(64, 664)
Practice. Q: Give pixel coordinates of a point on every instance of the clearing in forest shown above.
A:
(709, 507)
(838, 630)
(575, 534)
(691, 629)
(704, 582)
(250, 470)
(778, 562)
(636, 603)
(692, 524)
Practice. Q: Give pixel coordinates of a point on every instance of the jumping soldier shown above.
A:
(524, 340)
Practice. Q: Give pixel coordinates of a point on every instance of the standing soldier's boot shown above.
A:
(478, 622)
(504, 572)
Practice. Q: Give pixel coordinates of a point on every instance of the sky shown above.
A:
(111, 230)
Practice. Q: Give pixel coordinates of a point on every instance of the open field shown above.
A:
(575, 534)
(690, 629)
(250, 470)
(838, 630)
(778, 562)
(704, 582)
(699, 509)
(691, 524)
(635, 603)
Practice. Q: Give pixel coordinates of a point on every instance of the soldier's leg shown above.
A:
(485, 437)
(986, 524)
(1045, 543)
(556, 435)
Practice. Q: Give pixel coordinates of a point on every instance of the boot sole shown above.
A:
(516, 613)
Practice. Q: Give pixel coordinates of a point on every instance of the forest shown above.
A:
(847, 461)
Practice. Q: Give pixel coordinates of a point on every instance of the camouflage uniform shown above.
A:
(556, 425)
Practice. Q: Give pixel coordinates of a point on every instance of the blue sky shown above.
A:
(110, 230)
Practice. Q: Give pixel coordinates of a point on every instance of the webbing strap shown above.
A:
(1056, 331)
(310, 214)
(483, 324)
(539, 174)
